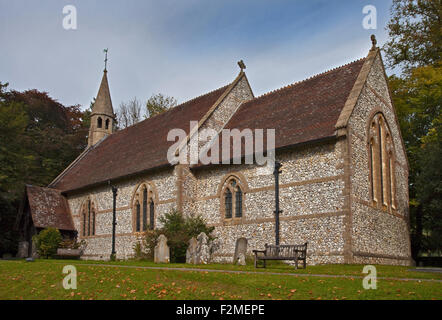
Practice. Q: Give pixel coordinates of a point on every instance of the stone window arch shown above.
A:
(144, 201)
(232, 198)
(381, 156)
(99, 122)
(107, 124)
(88, 218)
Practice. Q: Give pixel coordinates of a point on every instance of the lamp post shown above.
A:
(276, 173)
(114, 219)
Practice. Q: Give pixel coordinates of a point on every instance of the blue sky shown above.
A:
(182, 48)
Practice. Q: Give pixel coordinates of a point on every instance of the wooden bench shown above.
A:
(63, 253)
(282, 252)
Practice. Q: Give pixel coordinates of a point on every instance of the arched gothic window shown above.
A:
(152, 214)
(232, 198)
(137, 216)
(99, 122)
(107, 124)
(381, 163)
(144, 208)
(88, 218)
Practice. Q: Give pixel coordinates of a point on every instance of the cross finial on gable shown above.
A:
(241, 65)
(105, 59)
(373, 42)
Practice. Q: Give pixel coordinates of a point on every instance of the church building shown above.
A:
(343, 185)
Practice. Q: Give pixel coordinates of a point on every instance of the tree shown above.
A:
(415, 33)
(129, 113)
(418, 99)
(415, 46)
(39, 138)
(158, 103)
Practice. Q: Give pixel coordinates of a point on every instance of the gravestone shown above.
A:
(241, 259)
(162, 251)
(202, 249)
(23, 249)
(240, 252)
(191, 251)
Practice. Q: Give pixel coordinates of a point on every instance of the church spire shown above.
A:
(102, 117)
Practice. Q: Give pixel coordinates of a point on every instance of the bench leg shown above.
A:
(296, 261)
(256, 260)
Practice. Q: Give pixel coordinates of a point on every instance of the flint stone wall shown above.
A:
(99, 246)
(310, 195)
(377, 236)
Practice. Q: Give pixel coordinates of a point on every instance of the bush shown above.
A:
(179, 230)
(47, 242)
(72, 244)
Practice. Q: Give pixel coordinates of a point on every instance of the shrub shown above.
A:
(179, 230)
(47, 242)
(72, 244)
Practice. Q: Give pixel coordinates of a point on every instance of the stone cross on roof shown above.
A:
(241, 65)
(105, 59)
(373, 42)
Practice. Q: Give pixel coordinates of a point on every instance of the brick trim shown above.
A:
(282, 186)
(285, 218)
(348, 220)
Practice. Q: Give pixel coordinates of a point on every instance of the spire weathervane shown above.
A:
(241, 65)
(105, 59)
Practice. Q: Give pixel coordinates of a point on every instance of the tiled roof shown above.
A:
(137, 148)
(49, 208)
(303, 112)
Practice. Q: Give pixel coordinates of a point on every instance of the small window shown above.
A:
(107, 124)
(144, 209)
(233, 199)
(228, 203)
(152, 215)
(137, 217)
(88, 219)
(99, 122)
(238, 203)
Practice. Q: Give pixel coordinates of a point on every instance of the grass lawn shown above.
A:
(42, 279)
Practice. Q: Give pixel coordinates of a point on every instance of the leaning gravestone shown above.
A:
(191, 251)
(202, 249)
(240, 252)
(162, 251)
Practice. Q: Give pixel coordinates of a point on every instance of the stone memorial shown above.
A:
(23, 249)
(240, 252)
(191, 251)
(202, 249)
(162, 251)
